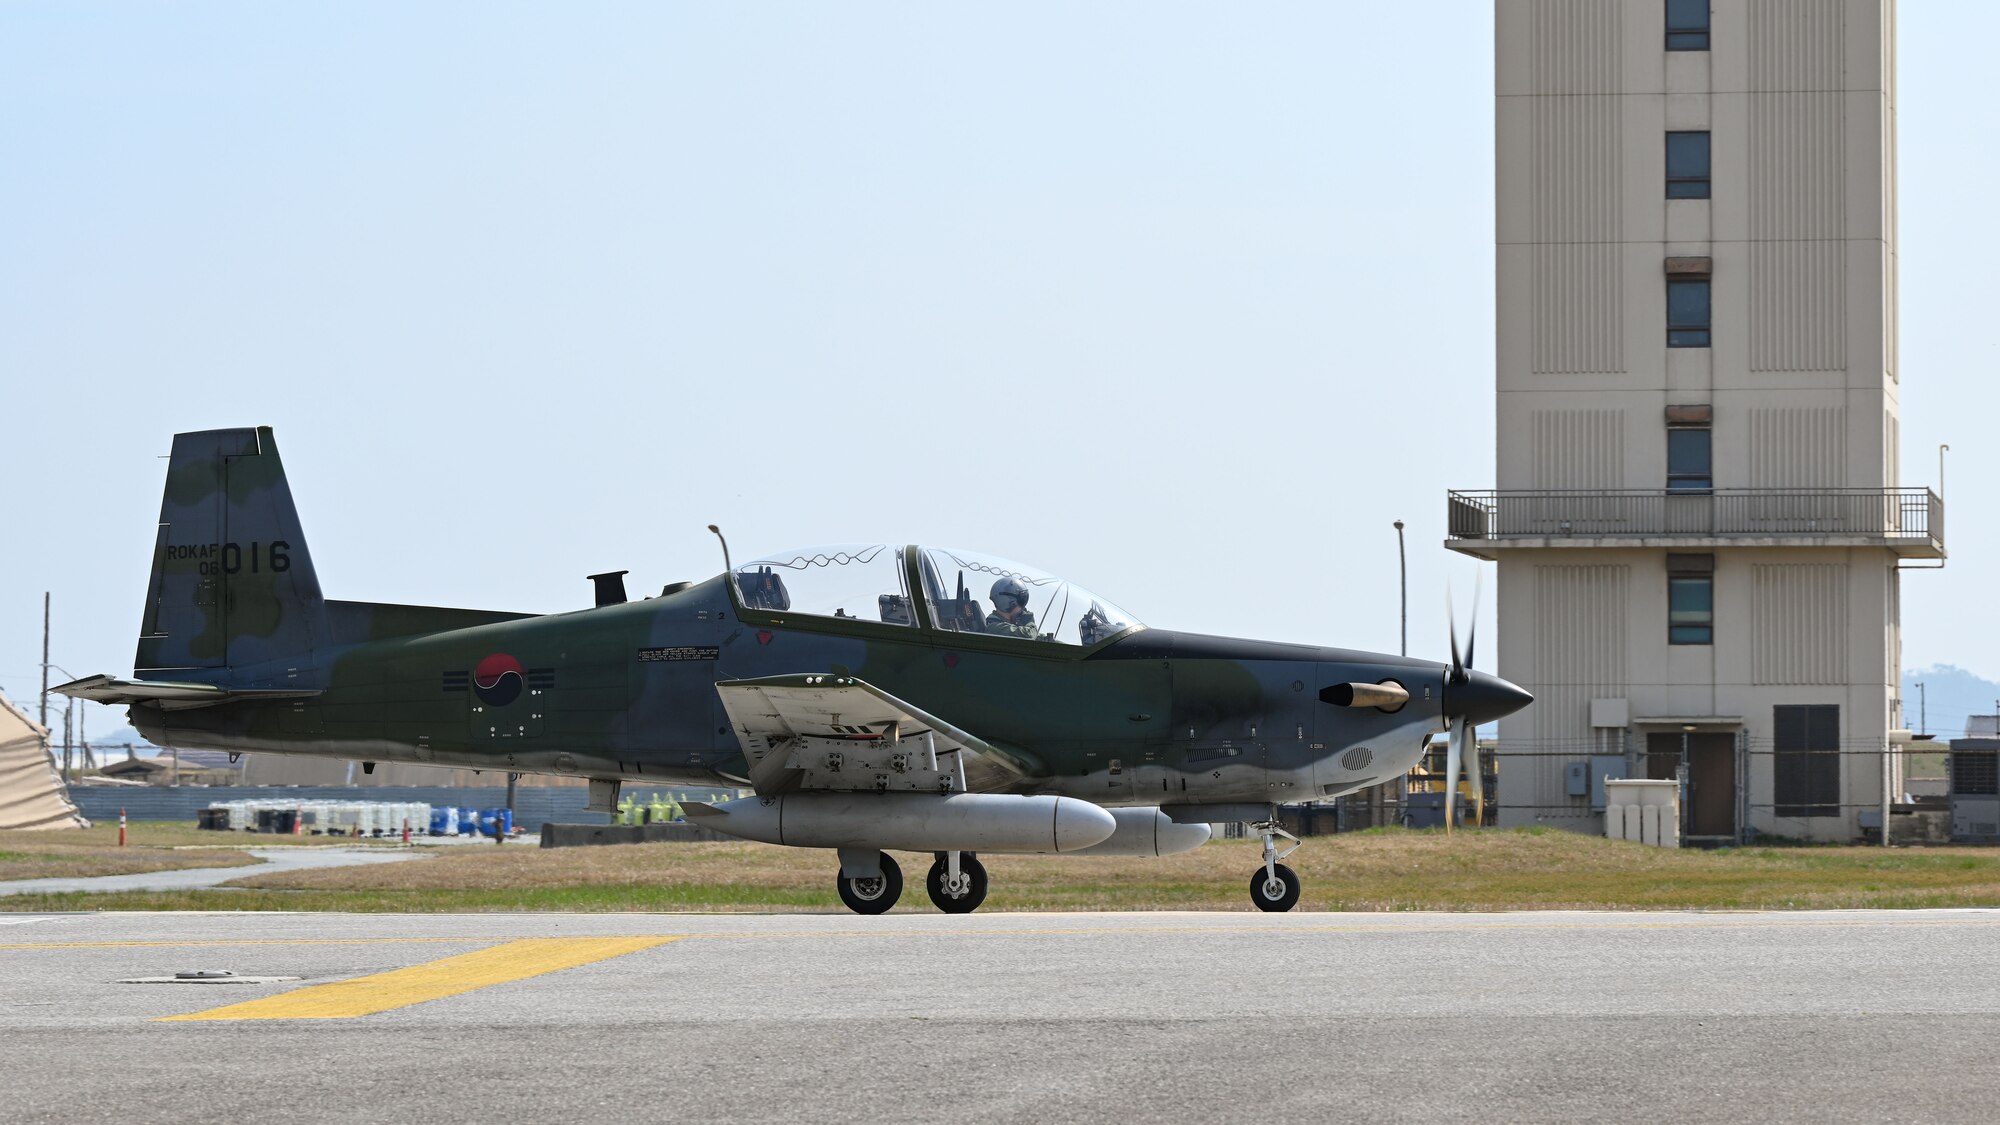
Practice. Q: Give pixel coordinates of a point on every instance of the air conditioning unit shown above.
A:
(1975, 790)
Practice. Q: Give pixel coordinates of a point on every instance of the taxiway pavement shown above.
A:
(190, 878)
(1820, 1016)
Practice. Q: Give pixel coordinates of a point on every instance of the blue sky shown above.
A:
(1185, 303)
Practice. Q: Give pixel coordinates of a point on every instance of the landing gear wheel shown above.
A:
(1274, 887)
(872, 895)
(1275, 894)
(964, 895)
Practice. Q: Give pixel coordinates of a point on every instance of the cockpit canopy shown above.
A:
(963, 591)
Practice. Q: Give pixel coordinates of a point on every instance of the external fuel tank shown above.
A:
(912, 822)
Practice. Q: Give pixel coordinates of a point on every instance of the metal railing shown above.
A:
(1902, 514)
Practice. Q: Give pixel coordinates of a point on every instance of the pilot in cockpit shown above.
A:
(764, 590)
(1011, 616)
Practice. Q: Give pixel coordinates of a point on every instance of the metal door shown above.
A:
(1711, 783)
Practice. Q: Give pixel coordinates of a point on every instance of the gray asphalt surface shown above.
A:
(1842, 1016)
(188, 878)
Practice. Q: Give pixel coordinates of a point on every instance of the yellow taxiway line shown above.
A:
(432, 980)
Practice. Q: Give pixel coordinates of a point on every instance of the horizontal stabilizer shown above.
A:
(170, 695)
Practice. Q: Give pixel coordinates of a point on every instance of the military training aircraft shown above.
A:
(875, 697)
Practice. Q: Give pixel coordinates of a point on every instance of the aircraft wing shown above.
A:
(168, 694)
(822, 731)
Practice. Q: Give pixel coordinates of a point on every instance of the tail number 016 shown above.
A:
(276, 557)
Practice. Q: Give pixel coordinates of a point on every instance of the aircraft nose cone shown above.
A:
(1483, 698)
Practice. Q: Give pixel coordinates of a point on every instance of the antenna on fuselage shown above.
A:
(727, 566)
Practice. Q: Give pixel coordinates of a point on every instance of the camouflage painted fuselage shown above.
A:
(627, 691)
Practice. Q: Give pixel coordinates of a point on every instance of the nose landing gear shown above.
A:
(1275, 887)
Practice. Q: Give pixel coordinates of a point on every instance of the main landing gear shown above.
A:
(957, 882)
(1274, 887)
(871, 894)
(870, 883)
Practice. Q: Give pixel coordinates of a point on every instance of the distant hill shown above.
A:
(1950, 694)
(112, 751)
(112, 747)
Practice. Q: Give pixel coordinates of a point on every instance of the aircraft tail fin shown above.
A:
(233, 586)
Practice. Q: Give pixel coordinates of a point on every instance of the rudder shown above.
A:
(233, 586)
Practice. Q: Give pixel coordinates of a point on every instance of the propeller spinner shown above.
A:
(1470, 698)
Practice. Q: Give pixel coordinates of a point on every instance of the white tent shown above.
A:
(32, 794)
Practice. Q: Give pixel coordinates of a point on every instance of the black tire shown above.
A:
(1260, 891)
(872, 896)
(975, 892)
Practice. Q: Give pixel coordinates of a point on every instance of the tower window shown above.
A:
(1689, 460)
(1691, 609)
(1687, 165)
(1687, 25)
(1687, 312)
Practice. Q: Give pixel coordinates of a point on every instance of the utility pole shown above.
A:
(45, 660)
(1403, 583)
(1888, 779)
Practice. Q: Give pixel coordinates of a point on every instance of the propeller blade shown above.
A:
(1468, 753)
(1451, 622)
(1451, 763)
(1472, 627)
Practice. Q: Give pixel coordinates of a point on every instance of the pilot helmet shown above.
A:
(1008, 593)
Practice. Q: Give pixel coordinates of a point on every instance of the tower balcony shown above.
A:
(1909, 521)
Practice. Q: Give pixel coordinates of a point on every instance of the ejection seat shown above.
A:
(764, 590)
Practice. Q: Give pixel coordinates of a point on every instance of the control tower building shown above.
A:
(1697, 517)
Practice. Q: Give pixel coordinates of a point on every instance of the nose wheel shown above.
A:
(872, 894)
(1275, 887)
(957, 882)
(1277, 891)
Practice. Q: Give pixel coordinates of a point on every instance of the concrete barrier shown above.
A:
(586, 835)
(532, 803)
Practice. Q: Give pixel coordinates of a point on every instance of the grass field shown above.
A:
(95, 851)
(150, 846)
(1385, 869)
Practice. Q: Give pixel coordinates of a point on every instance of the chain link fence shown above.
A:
(1735, 787)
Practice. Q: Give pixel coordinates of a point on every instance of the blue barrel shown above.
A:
(438, 820)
